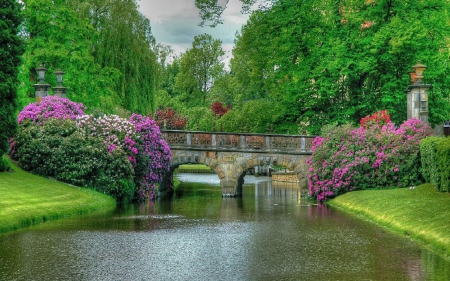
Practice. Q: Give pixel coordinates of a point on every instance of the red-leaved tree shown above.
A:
(219, 109)
(168, 118)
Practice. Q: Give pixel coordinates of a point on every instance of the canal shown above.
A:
(271, 233)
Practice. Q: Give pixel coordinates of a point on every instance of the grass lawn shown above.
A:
(194, 167)
(26, 199)
(422, 213)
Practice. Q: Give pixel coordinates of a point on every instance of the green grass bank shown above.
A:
(195, 168)
(27, 199)
(422, 214)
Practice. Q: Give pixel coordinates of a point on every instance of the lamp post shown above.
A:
(59, 90)
(41, 89)
(417, 94)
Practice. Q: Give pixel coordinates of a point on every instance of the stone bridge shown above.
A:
(230, 155)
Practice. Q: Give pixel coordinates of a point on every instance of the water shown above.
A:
(268, 234)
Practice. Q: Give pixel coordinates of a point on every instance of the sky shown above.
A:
(175, 23)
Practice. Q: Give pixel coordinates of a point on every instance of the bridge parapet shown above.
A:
(231, 154)
(243, 142)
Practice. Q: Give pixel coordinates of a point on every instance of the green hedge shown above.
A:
(435, 157)
(57, 150)
(443, 159)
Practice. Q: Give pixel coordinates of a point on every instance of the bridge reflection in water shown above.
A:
(230, 155)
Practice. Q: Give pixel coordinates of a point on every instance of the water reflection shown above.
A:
(271, 233)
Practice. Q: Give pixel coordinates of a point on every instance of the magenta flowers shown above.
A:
(376, 155)
(133, 148)
(51, 107)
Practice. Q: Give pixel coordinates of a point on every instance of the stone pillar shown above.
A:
(231, 172)
(417, 95)
(59, 90)
(41, 88)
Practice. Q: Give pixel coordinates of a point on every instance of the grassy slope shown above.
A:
(421, 213)
(26, 199)
(194, 167)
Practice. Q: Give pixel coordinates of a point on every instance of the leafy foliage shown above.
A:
(11, 48)
(56, 149)
(376, 156)
(123, 158)
(325, 62)
(51, 107)
(218, 108)
(103, 47)
(199, 66)
(168, 118)
(429, 158)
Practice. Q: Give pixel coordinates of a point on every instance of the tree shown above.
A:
(325, 62)
(105, 49)
(210, 10)
(11, 48)
(59, 36)
(125, 43)
(199, 67)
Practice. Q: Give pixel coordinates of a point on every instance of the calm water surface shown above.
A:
(268, 234)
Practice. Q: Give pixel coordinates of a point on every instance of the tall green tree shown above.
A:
(199, 67)
(11, 48)
(125, 43)
(339, 61)
(104, 47)
(58, 36)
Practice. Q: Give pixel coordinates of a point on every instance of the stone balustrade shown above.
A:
(243, 142)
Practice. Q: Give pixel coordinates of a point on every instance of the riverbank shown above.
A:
(28, 199)
(421, 213)
(195, 168)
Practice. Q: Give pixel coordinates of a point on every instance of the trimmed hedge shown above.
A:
(57, 150)
(435, 157)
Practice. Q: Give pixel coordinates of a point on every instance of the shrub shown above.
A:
(429, 159)
(123, 158)
(51, 107)
(153, 160)
(371, 156)
(168, 118)
(3, 165)
(443, 162)
(57, 149)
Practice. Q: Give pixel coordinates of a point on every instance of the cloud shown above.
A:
(175, 23)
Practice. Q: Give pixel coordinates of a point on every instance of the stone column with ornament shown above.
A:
(417, 94)
(41, 88)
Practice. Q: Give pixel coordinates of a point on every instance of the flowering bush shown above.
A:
(154, 155)
(371, 156)
(380, 117)
(115, 132)
(123, 158)
(56, 149)
(51, 106)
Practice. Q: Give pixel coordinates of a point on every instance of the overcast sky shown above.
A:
(175, 23)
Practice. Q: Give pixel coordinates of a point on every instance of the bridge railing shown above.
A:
(219, 141)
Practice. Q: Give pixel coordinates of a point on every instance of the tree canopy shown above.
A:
(199, 67)
(105, 49)
(11, 48)
(325, 62)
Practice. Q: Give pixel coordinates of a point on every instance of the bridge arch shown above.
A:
(231, 155)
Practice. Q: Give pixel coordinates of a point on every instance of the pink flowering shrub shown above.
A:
(366, 157)
(51, 106)
(123, 158)
(153, 160)
(114, 130)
